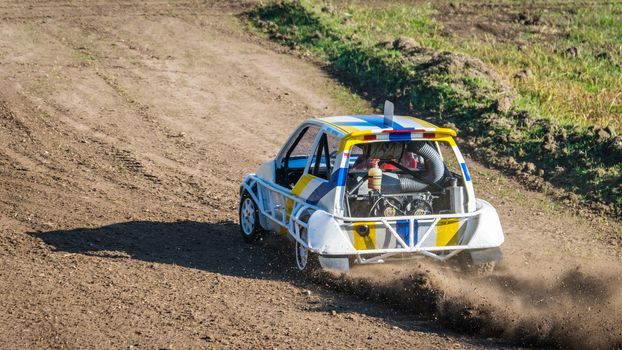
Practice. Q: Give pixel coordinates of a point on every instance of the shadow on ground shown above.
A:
(214, 247)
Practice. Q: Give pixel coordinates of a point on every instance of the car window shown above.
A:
(300, 151)
(292, 165)
(356, 156)
(449, 157)
(326, 153)
(363, 156)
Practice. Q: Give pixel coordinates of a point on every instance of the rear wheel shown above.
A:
(249, 219)
(307, 262)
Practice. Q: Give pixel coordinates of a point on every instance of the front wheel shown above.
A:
(249, 218)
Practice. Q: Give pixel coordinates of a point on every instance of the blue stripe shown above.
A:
(416, 233)
(342, 176)
(467, 176)
(372, 120)
(396, 125)
(402, 230)
(338, 178)
(379, 119)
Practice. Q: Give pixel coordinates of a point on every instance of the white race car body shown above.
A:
(318, 194)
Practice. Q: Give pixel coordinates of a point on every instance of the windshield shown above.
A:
(404, 178)
(389, 156)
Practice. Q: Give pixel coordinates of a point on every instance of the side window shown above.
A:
(357, 163)
(295, 159)
(449, 157)
(323, 161)
(302, 148)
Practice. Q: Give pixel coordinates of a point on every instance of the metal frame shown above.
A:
(295, 224)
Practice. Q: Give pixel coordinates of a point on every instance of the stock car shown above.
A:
(365, 189)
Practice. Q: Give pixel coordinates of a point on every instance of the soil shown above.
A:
(125, 131)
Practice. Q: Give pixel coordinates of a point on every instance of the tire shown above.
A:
(307, 262)
(250, 228)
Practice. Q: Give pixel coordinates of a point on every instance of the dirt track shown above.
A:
(125, 131)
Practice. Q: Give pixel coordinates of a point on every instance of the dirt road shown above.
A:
(125, 130)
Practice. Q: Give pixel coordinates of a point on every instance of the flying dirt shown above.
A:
(125, 131)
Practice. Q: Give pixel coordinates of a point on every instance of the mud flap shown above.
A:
(482, 256)
(336, 264)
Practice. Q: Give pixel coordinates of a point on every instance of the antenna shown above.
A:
(388, 114)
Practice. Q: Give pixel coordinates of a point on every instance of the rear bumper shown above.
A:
(331, 236)
(433, 235)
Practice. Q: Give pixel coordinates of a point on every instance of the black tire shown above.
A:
(250, 228)
(307, 263)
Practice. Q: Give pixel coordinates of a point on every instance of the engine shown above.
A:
(396, 198)
(400, 205)
(390, 200)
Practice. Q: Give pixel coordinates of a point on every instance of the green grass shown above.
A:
(562, 98)
(582, 90)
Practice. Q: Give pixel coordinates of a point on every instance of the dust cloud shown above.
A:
(577, 307)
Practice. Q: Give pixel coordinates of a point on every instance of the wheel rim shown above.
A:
(247, 216)
(302, 254)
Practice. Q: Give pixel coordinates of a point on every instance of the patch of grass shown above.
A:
(582, 89)
(523, 129)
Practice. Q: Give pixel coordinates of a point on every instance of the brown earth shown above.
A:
(125, 130)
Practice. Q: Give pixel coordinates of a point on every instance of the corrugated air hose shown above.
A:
(434, 173)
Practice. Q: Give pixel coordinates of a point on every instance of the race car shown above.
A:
(365, 189)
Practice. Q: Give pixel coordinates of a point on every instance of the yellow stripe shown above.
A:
(301, 184)
(367, 242)
(446, 131)
(344, 145)
(342, 128)
(349, 129)
(447, 232)
(356, 138)
(289, 205)
(448, 139)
